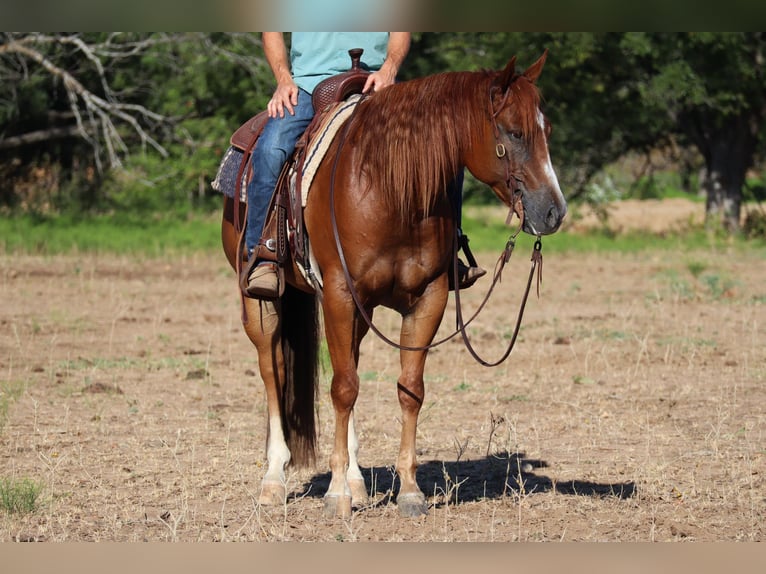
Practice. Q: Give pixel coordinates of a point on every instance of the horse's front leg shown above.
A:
(344, 390)
(418, 330)
(263, 329)
(359, 496)
(343, 332)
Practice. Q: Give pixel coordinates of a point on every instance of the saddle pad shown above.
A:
(226, 179)
(319, 144)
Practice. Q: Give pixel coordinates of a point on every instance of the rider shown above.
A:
(313, 57)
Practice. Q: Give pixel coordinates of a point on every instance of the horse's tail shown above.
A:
(300, 347)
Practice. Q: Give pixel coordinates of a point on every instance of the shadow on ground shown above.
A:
(494, 476)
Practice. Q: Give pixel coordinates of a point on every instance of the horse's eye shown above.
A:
(516, 134)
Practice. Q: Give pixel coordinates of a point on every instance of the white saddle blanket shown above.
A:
(314, 155)
(321, 143)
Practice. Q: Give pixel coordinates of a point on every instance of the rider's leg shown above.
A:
(274, 147)
(467, 274)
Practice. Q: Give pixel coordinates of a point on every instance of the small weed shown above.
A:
(494, 424)
(718, 286)
(612, 335)
(462, 387)
(711, 284)
(19, 496)
(688, 343)
(515, 398)
(583, 380)
(9, 392)
(682, 289)
(696, 268)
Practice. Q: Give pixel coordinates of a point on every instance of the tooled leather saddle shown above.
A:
(286, 207)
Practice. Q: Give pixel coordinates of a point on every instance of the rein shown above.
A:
(505, 256)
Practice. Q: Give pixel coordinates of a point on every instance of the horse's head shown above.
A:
(516, 162)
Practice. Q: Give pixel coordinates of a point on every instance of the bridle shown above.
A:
(512, 181)
(516, 207)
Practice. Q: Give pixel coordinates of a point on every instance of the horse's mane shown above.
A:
(412, 135)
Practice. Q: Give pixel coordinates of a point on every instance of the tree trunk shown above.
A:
(728, 150)
(723, 191)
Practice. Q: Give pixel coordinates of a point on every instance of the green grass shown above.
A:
(19, 495)
(488, 232)
(109, 234)
(154, 236)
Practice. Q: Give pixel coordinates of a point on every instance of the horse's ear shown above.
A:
(533, 72)
(506, 76)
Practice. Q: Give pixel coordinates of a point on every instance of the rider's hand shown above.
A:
(379, 80)
(285, 97)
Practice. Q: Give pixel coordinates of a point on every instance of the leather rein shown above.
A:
(516, 207)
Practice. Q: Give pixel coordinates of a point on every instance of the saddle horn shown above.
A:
(337, 88)
(356, 57)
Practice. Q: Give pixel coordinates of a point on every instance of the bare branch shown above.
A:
(93, 114)
(38, 136)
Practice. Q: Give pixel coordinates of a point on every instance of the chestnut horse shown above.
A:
(379, 213)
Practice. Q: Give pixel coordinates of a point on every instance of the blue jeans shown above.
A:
(275, 145)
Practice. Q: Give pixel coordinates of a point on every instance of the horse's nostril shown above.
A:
(552, 219)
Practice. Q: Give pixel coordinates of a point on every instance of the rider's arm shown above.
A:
(286, 94)
(398, 46)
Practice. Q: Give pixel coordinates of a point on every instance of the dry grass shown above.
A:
(631, 410)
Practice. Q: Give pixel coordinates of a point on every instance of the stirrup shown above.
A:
(462, 245)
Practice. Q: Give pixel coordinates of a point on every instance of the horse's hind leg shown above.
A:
(263, 330)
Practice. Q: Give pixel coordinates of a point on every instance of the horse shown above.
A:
(382, 230)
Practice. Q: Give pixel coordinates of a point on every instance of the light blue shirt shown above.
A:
(315, 56)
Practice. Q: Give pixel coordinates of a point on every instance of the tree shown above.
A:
(591, 90)
(164, 104)
(93, 112)
(81, 105)
(611, 94)
(712, 87)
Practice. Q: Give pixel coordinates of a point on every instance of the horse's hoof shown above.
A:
(272, 494)
(359, 496)
(337, 506)
(412, 505)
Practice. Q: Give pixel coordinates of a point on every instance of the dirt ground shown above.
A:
(632, 409)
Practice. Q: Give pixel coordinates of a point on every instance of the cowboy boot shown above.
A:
(467, 275)
(260, 280)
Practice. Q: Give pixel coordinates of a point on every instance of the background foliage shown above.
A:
(633, 114)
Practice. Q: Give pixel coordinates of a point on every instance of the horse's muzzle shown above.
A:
(543, 215)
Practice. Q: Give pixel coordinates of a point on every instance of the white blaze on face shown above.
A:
(548, 168)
